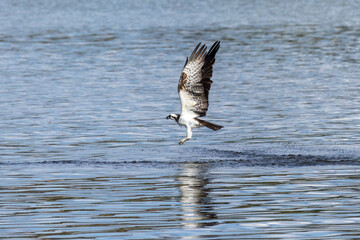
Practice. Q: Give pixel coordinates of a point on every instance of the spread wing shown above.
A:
(194, 84)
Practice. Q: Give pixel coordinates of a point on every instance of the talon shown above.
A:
(183, 140)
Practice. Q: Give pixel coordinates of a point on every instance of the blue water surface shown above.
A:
(86, 151)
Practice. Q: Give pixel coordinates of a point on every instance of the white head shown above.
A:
(173, 116)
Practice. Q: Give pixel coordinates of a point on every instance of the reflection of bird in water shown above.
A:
(196, 202)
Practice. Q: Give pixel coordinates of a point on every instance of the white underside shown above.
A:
(187, 116)
(189, 122)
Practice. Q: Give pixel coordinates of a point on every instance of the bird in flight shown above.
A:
(193, 88)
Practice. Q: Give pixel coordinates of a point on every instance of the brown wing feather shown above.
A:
(195, 79)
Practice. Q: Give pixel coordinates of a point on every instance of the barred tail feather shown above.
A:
(210, 125)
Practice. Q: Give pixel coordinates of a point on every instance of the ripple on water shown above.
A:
(86, 152)
(193, 199)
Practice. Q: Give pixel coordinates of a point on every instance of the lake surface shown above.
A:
(86, 151)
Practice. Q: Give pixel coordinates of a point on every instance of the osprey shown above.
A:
(193, 88)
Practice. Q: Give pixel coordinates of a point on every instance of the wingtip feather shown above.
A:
(195, 51)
